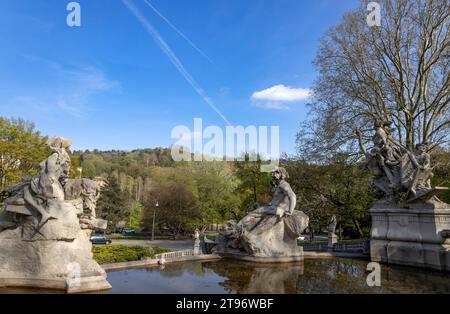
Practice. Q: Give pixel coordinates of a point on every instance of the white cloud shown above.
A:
(277, 96)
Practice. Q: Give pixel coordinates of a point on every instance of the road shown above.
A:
(167, 244)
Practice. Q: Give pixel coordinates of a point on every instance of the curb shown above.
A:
(153, 262)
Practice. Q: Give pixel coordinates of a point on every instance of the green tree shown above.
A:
(22, 148)
(75, 168)
(254, 186)
(88, 169)
(135, 219)
(396, 72)
(440, 159)
(112, 204)
(216, 184)
(176, 213)
(339, 188)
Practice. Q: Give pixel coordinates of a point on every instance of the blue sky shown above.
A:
(109, 85)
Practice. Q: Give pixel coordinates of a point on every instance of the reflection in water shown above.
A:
(335, 275)
(244, 277)
(325, 276)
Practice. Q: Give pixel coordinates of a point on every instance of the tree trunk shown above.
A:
(355, 222)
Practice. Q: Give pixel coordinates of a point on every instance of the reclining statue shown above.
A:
(283, 201)
(267, 231)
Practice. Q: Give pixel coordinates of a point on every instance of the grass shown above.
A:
(119, 236)
(120, 253)
(131, 237)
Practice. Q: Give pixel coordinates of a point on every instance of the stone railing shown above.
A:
(351, 246)
(174, 255)
(315, 246)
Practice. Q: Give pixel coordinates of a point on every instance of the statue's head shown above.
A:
(280, 173)
(380, 123)
(421, 147)
(57, 143)
(90, 194)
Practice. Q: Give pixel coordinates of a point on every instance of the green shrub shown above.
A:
(121, 253)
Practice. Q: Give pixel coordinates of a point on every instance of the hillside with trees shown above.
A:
(197, 194)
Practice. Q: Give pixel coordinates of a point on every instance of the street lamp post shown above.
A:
(154, 215)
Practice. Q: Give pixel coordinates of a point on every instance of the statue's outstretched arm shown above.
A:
(292, 200)
(291, 195)
(360, 142)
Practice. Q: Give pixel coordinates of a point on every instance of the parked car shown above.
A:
(128, 231)
(100, 240)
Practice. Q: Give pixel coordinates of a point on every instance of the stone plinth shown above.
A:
(415, 236)
(332, 240)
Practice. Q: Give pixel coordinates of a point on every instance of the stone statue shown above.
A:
(197, 242)
(396, 170)
(196, 234)
(408, 221)
(268, 231)
(332, 237)
(417, 180)
(45, 226)
(34, 195)
(284, 199)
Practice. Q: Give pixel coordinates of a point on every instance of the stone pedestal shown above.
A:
(332, 240)
(197, 247)
(415, 236)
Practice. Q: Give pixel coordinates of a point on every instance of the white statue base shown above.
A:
(415, 236)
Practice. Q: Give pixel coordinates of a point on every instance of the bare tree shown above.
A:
(396, 72)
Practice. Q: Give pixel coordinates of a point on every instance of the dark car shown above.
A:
(128, 231)
(100, 240)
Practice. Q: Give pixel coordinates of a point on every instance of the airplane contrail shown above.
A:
(178, 32)
(172, 57)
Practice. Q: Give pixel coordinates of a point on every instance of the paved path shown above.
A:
(167, 244)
